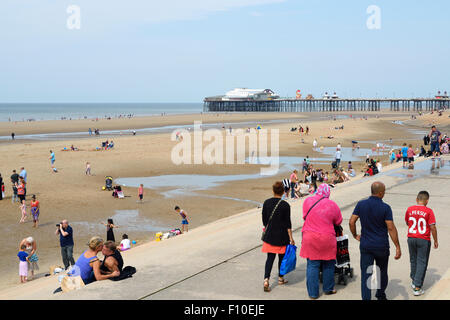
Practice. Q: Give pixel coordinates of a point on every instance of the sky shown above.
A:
(185, 50)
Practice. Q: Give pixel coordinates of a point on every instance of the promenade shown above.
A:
(223, 259)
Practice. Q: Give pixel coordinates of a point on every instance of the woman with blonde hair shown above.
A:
(30, 248)
(88, 265)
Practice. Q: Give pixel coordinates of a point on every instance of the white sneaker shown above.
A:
(412, 285)
(419, 292)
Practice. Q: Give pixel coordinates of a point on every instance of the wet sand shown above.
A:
(70, 194)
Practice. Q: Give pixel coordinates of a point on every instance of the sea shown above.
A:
(58, 111)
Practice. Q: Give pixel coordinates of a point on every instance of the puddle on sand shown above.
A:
(348, 154)
(425, 168)
(184, 184)
(128, 220)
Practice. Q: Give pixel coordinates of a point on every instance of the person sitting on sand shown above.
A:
(125, 244)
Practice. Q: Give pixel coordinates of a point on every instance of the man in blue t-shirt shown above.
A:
(66, 242)
(376, 223)
(405, 155)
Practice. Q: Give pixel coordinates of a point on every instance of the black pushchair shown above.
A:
(342, 268)
(108, 183)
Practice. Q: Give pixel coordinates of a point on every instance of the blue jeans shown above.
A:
(312, 276)
(381, 258)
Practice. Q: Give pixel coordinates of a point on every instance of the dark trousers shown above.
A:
(419, 253)
(269, 264)
(67, 256)
(381, 258)
(293, 189)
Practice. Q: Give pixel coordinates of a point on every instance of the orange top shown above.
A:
(21, 189)
(35, 203)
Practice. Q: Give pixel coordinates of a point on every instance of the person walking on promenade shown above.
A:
(376, 224)
(65, 233)
(276, 219)
(320, 215)
(421, 222)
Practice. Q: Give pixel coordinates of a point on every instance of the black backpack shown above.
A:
(127, 272)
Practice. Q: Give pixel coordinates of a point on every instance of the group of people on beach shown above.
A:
(320, 218)
(19, 193)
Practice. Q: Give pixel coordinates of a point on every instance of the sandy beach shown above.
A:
(72, 195)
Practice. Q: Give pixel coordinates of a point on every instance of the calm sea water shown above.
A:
(54, 111)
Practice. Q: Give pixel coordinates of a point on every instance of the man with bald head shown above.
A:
(66, 241)
(377, 225)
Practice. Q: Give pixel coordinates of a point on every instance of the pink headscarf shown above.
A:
(324, 190)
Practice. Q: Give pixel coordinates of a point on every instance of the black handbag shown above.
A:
(268, 222)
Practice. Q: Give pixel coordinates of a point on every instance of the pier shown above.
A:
(218, 104)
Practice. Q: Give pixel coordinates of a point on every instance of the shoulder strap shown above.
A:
(274, 209)
(312, 207)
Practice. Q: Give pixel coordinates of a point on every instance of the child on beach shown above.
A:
(109, 230)
(125, 243)
(23, 209)
(88, 168)
(410, 154)
(23, 264)
(35, 206)
(421, 222)
(141, 192)
(184, 221)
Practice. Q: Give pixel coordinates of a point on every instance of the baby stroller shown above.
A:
(342, 268)
(108, 183)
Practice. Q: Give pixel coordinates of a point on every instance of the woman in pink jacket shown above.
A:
(320, 215)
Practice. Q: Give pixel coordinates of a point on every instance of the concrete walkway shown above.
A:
(223, 260)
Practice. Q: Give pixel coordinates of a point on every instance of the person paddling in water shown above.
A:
(184, 221)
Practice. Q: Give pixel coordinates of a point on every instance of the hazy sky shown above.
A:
(184, 50)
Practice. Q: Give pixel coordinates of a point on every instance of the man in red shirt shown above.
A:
(421, 223)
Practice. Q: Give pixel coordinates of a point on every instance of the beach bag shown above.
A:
(265, 229)
(127, 272)
(70, 283)
(289, 260)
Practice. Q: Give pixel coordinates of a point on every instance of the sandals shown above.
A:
(266, 285)
(281, 281)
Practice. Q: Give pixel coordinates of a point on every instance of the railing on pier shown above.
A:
(323, 105)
